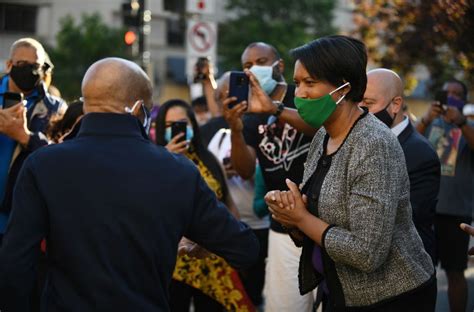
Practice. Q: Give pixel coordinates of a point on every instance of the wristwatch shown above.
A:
(280, 107)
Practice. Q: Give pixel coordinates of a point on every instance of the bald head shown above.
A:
(259, 53)
(112, 84)
(383, 85)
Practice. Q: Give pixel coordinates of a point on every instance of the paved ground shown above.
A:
(442, 300)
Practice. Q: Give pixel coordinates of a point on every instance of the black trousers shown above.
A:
(253, 278)
(420, 300)
(181, 295)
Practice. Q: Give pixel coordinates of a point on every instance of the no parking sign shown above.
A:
(201, 41)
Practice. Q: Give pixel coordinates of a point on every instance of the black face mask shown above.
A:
(385, 117)
(25, 77)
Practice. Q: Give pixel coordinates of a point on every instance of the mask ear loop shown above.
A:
(339, 88)
(131, 110)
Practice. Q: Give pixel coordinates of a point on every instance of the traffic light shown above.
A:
(131, 13)
(130, 37)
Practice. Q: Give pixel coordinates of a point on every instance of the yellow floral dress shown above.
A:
(213, 275)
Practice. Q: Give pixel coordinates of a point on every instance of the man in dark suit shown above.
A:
(112, 206)
(384, 98)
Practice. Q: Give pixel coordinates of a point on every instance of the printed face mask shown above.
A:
(316, 111)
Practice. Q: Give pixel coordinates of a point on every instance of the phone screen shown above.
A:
(11, 98)
(441, 97)
(178, 127)
(201, 62)
(238, 87)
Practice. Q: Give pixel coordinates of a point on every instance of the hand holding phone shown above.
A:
(201, 69)
(238, 87)
(11, 99)
(442, 98)
(178, 143)
(178, 127)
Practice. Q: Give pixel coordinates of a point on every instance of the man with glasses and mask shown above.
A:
(384, 98)
(452, 136)
(275, 134)
(21, 125)
(111, 206)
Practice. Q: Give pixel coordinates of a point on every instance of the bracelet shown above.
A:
(280, 108)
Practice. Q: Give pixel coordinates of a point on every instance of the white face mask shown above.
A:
(264, 75)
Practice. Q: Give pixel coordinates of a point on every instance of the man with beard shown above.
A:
(275, 134)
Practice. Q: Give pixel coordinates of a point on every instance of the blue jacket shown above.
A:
(113, 207)
(41, 106)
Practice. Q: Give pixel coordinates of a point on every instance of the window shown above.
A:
(18, 18)
(176, 69)
(175, 6)
(175, 31)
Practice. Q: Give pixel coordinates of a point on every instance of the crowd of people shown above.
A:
(324, 192)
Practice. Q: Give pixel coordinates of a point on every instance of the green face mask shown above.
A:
(316, 111)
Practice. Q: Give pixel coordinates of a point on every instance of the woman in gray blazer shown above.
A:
(352, 216)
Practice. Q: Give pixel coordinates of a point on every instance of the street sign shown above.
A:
(207, 7)
(201, 41)
(202, 37)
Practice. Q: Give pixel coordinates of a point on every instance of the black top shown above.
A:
(112, 206)
(314, 189)
(281, 149)
(209, 129)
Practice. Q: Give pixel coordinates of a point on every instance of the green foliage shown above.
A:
(401, 34)
(78, 46)
(284, 24)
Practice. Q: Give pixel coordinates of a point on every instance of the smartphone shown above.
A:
(238, 87)
(441, 97)
(178, 127)
(11, 98)
(201, 62)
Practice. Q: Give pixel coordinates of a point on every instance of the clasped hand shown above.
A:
(287, 207)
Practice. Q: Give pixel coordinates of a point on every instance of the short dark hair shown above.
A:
(199, 101)
(336, 59)
(272, 48)
(462, 84)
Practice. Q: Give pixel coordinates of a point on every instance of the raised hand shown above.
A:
(233, 115)
(260, 102)
(177, 147)
(13, 123)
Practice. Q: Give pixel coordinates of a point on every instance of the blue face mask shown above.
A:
(189, 133)
(147, 116)
(264, 75)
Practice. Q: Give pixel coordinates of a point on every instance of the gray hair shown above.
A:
(29, 43)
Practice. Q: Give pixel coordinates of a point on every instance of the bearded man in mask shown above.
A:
(384, 98)
(21, 125)
(274, 133)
